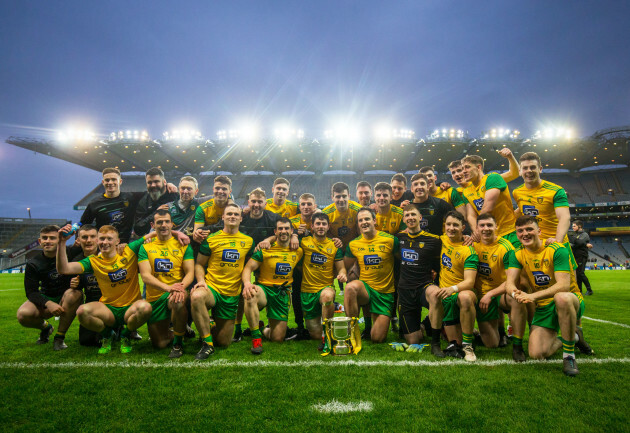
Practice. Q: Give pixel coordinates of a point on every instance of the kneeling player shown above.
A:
(167, 268)
(273, 288)
(559, 303)
(454, 302)
(494, 254)
(322, 260)
(117, 276)
(374, 252)
(218, 272)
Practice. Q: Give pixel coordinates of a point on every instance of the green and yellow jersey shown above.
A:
(288, 208)
(343, 225)
(542, 202)
(503, 211)
(117, 277)
(226, 261)
(208, 213)
(391, 222)
(276, 265)
(318, 264)
(540, 268)
(494, 259)
(375, 258)
(167, 263)
(299, 219)
(452, 196)
(455, 258)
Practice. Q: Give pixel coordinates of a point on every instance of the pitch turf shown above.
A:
(292, 388)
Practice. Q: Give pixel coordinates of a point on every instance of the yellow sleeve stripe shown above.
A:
(423, 233)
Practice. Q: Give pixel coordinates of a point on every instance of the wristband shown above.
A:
(455, 288)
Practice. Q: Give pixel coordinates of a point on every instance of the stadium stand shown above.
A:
(16, 235)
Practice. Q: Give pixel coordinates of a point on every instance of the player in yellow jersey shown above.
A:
(218, 271)
(211, 211)
(494, 254)
(273, 286)
(453, 303)
(167, 268)
(449, 195)
(488, 193)
(117, 276)
(375, 252)
(322, 262)
(302, 221)
(389, 218)
(554, 291)
(279, 203)
(342, 213)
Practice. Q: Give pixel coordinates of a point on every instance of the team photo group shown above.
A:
(177, 262)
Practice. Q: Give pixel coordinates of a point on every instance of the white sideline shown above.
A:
(9, 290)
(335, 406)
(622, 325)
(219, 363)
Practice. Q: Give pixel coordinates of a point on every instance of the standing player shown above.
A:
(156, 196)
(279, 203)
(117, 276)
(457, 171)
(494, 254)
(364, 193)
(322, 261)
(342, 213)
(167, 269)
(401, 196)
(432, 209)
(302, 221)
(183, 209)
(211, 211)
(389, 218)
(374, 252)
(218, 272)
(274, 279)
(454, 302)
(580, 243)
(449, 195)
(48, 292)
(559, 303)
(420, 258)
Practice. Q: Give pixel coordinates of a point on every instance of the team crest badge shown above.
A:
(457, 255)
(546, 262)
(126, 204)
(421, 244)
(293, 257)
(393, 224)
(175, 252)
(382, 248)
(329, 250)
(431, 212)
(123, 261)
(243, 244)
(192, 207)
(540, 199)
(494, 257)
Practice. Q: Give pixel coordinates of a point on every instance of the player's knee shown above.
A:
(73, 297)
(378, 337)
(561, 300)
(23, 316)
(327, 297)
(143, 308)
(536, 353)
(198, 297)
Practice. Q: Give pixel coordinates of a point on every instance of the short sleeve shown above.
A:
(258, 256)
(513, 261)
(188, 253)
(472, 261)
(561, 260)
(495, 180)
(200, 216)
(349, 252)
(142, 254)
(456, 199)
(339, 254)
(135, 245)
(204, 248)
(560, 199)
(86, 264)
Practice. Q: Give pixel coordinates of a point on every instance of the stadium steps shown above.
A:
(618, 183)
(623, 249)
(598, 184)
(16, 235)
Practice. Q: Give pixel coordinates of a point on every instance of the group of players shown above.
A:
(462, 253)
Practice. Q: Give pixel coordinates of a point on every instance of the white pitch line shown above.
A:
(335, 406)
(622, 325)
(9, 290)
(220, 363)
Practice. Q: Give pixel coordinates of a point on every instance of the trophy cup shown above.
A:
(345, 332)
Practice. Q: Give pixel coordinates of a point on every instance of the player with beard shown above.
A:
(432, 209)
(364, 193)
(401, 196)
(157, 195)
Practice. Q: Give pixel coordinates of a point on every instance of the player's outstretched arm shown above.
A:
(63, 266)
(513, 170)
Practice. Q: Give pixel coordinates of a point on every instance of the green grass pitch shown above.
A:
(77, 390)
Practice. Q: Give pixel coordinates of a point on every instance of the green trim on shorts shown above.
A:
(311, 307)
(547, 316)
(119, 314)
(493, 310)
(513, 239)
(160, 309)
(380, 303)
(277, 303)
(55, 299)
(451, 309)
(225, 307)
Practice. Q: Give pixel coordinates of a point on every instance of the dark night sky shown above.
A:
(420, 65)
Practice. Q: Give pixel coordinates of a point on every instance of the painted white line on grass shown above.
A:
(144, 363)
(622, 325)
(335, 406)
(9, 290)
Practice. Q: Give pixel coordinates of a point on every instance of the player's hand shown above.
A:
(433, 275)
(415, 348)
(445, 292)
(404, 203)
(468, 240)
(301, 229)
(74, 282)
(200, 235)
(294, 243)
(246, 210)
(550, 241)
(63, 233)
(476, 236)
(170, 187)
(198, 286)
(163, 207)
(54, 308)
(120, 248)
(589, 245)
(444, 186)
(522, 297)
(337, 242)
(399, 347)
(249, 291)
(373, 206)
(177, 287)
(505, 152)
(181, 237)
(263, 245)
(484, 303)
(176, 296)
(342, 278)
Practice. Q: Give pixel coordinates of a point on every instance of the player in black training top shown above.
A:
(433, 209)
(48, 292)
(420, 262)
(157, 195)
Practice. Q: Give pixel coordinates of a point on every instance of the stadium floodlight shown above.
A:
(406, 134)
(344, 132)
(184, 134)
(286, 133)
(383, 132)
(76, 135)
(129, 135)
(551, 133)
(500, 134)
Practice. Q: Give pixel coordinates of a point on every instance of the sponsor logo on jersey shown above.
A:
(409, 255)
(530, 210)
(540, 278)
(484, 269)
(446, 261)
(478, 203)
(231, 256)
(91, 279)
(371, 259)
(283, 268)
(117, 276)
(343, 231)
(116, 216)
(318, 259)
(162, 265)
(424, 224)
(53, 275)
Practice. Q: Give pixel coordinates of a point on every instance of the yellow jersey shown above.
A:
(277, 265)
(540, 268)
(343, 225)
(208, 213)
(451, 196)
(297, 220)
(227, 259)
(167, 263)
(455, 258)
(117, 277)
(391, 222)
(494, 259)
(503, 211)
(375, 258)
(288, 208)
(318, 264)
(542, 202)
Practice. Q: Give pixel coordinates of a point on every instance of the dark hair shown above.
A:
(425, 169)
(364, 183)
(473, 159)
(456, 215)
(109, 170)
(340, 187)
(530, 156)
(155, 171)
(367, 209)
(486, 216)
(579, 223)
(411, 207)
(86, 227)
(49, 229)
(281, 180)
(162, 212)
(223, 179)
(320, 216)
(399, 177)
(419, 176)
(523, 220)
(383, 186)
(283, 220)
(456, 163)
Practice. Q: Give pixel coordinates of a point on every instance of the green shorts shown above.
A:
(119, 314)
(277, 303)
(492, 313)
(513, 239)
(451, 310)
(55, 299)
(160, 309)
(311, 306)
(225, 307)
(380, 303)
(547, 316)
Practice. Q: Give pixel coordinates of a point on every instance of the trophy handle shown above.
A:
(327, 339)
(355, 336)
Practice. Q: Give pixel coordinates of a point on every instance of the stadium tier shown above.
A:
(18, 236)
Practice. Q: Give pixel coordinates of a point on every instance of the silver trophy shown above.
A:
(345, 331)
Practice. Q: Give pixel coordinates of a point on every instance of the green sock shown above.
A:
(178, 339)
(467, 338)
(256, 333)
(208, 339)
(568, 348)
(107, 332)
(125, 332)
(237, 327)
(517, 341)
